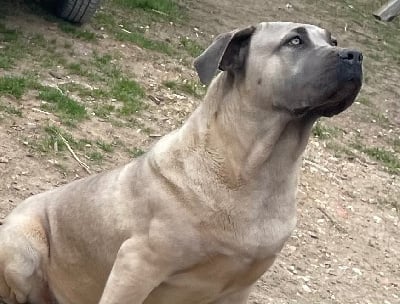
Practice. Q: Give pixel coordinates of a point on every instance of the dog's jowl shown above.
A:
(201, 216)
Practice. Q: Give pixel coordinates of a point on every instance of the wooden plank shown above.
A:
(388, 11)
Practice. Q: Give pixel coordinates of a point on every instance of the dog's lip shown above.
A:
(342, 99)
(337, 102)
(334, 108)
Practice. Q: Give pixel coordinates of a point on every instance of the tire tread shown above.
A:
(78, 11)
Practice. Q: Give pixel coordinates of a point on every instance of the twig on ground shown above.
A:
(159, 12)
(315, 165)
(81, 163)
(155, 135)
(333, 222)
(40, 111)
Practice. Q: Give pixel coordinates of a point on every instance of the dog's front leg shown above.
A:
(136, 272)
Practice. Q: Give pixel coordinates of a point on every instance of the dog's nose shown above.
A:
(350, 56)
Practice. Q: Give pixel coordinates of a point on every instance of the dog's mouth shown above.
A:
(336, 103)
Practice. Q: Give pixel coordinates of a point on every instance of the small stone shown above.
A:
(16, 187)
(56, 74)
(357, 271)
(306, 288)
(377, 219)
(155, 99)
(291, 248)
(4, 160)
(305, 278)
(292, 269)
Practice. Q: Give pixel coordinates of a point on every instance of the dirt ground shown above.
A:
(346, 248)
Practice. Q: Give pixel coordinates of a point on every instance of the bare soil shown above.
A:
(346, 248)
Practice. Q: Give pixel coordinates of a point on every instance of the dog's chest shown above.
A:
(233, 259)
(209, 280)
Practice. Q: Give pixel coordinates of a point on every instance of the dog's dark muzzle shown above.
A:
(341, 85)
(350, 66)
(349, 80)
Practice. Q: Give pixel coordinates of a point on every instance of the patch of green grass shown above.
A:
(396, 144)
(134, 34)
(68, 44)
(6, 61)
(103, 111)
(387, 158)
(192, 47)
(7, 34)
(185, 86)
(13, 85)
(100, 68)
(136, 152)
(38, 40)
(50, 60)
(130, 93)
(10, 109)
(104, 20)
(322, 131)
(340, 150)
(13, 47)
(101, 60)
(375, 56)
(364, 100)
(58, 102)
(167, 7)
(106, 147)
(77, 69)
(380, 118)
(52, 141)
(95, 156)
(104, 70)
(76, 31)
(146, 43)
(106, 67)
(84, 92)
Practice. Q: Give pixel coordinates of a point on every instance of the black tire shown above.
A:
(77, 11)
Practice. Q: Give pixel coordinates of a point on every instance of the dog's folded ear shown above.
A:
(228, 52)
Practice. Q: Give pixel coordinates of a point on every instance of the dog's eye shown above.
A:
(334, 42)
(295, 41)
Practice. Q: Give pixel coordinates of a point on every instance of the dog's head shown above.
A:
(288, 66)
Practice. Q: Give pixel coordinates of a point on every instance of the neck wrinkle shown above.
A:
(240, 145)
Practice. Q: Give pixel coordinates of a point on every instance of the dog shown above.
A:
(203, 214)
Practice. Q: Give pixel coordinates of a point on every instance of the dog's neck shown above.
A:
(247, 139)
